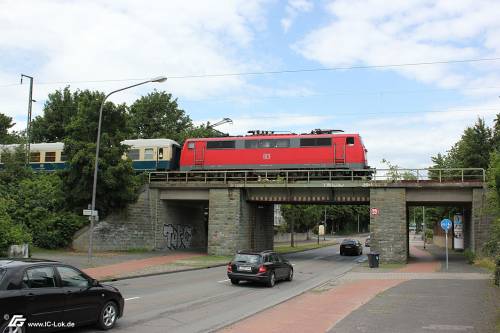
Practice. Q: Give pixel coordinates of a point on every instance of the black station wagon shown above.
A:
(44, 296)
(265, 267)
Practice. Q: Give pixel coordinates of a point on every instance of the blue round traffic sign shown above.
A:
(446, 224)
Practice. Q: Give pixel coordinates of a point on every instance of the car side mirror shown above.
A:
(94, 283)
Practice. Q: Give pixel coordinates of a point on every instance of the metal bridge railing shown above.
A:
(307, 176)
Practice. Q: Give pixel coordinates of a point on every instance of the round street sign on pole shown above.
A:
(446, 225)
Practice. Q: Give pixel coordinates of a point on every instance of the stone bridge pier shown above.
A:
(236, 224)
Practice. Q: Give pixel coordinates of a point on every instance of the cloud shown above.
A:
(292, 10)
(377, 32)
(98, 40)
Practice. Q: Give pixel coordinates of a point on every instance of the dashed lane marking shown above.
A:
(131, 298)
(222, 281)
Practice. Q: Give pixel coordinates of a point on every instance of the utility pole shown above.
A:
(423, 225)
(28, 125)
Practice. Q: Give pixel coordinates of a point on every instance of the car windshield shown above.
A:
(2, 273)
(247, 258)
(349, 241)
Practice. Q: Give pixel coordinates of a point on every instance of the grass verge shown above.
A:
(203, 261)
(302, 247)
(485, 262)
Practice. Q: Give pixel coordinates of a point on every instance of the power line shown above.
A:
(333, 114)
(287, 71)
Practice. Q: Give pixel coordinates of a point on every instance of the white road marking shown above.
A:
(222, 281)
(131, 298)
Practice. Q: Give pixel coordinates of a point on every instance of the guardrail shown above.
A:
(307, 176)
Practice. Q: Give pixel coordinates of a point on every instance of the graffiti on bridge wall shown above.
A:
(178, 236)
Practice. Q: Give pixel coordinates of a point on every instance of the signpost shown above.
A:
(446, 225)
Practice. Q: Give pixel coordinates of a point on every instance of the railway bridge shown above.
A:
(224, 211)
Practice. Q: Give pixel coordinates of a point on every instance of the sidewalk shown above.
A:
(350, 304)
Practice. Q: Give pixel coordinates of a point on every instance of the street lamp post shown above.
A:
(94, 186)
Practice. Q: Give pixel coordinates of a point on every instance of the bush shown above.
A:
(492, 247)
(11, 233)
(469, 256)
(56, 230)
(429, 234)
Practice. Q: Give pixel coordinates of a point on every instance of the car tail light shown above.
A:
(262, 269)
(229, 268)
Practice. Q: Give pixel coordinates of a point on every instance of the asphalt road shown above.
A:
(204, 300)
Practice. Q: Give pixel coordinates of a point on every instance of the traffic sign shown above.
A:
(90, 212)
(446, 225)
(374, 211)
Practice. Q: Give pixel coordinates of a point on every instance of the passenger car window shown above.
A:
(148, 153)
(39, 277)
(349, 140)
(35, 157)
(133, 154)
(72, 278)
(50, 156)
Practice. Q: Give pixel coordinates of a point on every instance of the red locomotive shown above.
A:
(321, 149)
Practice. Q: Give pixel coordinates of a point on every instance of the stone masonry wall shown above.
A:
(228, 225)
(480, 220)
(389, 236)
(130, 229)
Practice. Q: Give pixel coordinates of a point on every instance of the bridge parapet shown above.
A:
(474, 177)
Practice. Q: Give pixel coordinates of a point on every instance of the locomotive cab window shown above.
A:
(220, 144)
(63, 157)
(160, 153)
(190, 145)
(50, 156)
(148, 154)
(133, 154)
(349, 140)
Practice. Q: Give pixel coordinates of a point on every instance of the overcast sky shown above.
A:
(405, 114)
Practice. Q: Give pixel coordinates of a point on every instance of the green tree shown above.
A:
(7, 136)
(157, 115)
(72, 117)
(60, 107)
(474, 147)
(10, 233)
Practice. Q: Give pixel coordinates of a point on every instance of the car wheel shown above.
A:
(290, 275)
(272, 280)
(108, 316)
(341, 253)
(4, 328)
(234, 281)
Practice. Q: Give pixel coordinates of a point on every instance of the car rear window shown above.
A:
(248, 258)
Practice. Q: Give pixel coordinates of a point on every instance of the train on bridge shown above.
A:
(260, 150)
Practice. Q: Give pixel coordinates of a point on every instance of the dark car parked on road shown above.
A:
(35, 294)
(265, 267)
(351, 246)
